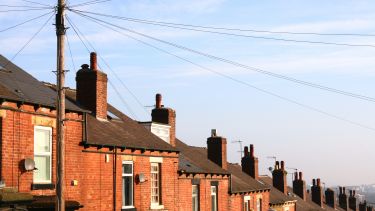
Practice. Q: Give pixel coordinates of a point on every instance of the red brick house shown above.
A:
(206, 180)
(111, 160)
(116, 163)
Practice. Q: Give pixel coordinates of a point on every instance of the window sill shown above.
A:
(157, 207)
(42, 186)
(129, 209)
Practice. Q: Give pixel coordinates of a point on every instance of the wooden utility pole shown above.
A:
(60, 33)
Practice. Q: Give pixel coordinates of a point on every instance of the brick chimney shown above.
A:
(352, 200)
(279, 177)
(299, 186)
(92, 88)
(249, 163)
(343, 199)
(331, 198)
(370, 208)
(217, 149)
(163, 115)
(317, 193)
(363, 206)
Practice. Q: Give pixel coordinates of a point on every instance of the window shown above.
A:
(155, 184)
(213, 198)
(246, 203)
(127, 184)
(42, 154)
(195, 197)
(259, 204)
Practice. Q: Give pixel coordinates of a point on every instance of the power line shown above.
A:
(114, 73)
(23, 10)
(305, 83)
(170, 24)
(21, 6)
(33, 2)
(79, 35)
(19, 24)
(88, 3)
(239, 81)
(70, 52)
(28, 42)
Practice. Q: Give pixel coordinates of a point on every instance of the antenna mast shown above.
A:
(241, 150)
(60, 33)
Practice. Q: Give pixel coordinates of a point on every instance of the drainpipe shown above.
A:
(114, 177)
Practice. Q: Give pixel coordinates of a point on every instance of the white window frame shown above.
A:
(49, 129)
(216, 197)
(246, 203)
(259, 204)
(128, 175)
(195, 196)
(158, 204)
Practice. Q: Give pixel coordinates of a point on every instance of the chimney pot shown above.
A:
(300, 175)
(93, 61)
(277, 165)
(282, 165)
(295, 175)
(85, 66)
(213, 133)
(158, 99)
(246, 150)
(318, 182)
(252, 150)
(314, 184)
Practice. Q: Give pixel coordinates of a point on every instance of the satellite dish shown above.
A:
(141, 178)
(29, 164)
(270, 169)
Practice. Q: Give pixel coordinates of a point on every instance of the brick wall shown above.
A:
(93, 175)
(185, 191)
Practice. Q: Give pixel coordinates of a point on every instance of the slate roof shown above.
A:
(309, 205)
(276, 197)
(194, 160)
(17, 85)
(243, 183)
(119, 130)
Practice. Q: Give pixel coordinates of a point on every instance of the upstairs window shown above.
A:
(214, 198)
(259, 204)
(195, 197)
(127, 184)
(246, 203)
(155, 184)
(42, 154)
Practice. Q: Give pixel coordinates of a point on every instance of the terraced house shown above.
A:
(113, 162)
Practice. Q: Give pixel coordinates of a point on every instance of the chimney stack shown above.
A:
(353, 201)
(249, 163)
(279, 177)
(167, 116)
(330, 198)
(92, 88)
(343, 199)
(370, 208)
(317, 193)
(363, 206)
(299, 186)
(217, 150)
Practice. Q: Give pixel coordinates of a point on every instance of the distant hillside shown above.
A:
(368, 192)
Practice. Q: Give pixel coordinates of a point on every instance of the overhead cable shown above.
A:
(19, 24)
(82, 38)
(237, 64)
(236, 80)
(169, 24)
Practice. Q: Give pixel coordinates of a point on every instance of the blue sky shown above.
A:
(320, 146)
